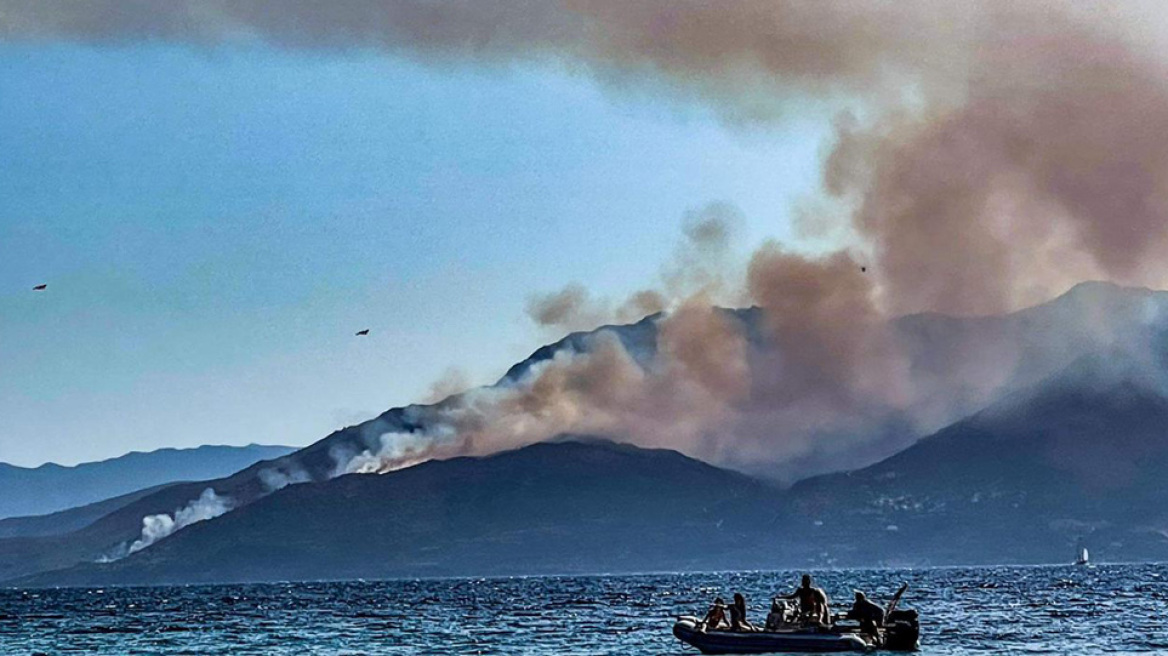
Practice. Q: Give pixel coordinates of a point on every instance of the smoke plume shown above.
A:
(987, 155)
(280, 477)
(1005, 149)
(702, 266)
(453, 381)
(718, 384)
(156, 527)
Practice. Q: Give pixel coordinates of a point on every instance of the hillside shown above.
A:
(980, 369)
(567, 506)
(1079, 458)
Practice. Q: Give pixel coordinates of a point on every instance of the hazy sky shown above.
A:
(215, 224)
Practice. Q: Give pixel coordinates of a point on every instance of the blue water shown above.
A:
(1063, 610)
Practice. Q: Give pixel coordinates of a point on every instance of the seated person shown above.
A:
(779, 616)
(813, 606)
(870, 615)
(716, 617)
(738, 621)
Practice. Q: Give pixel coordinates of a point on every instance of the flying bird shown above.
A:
(40, 288)
(362, 333)
(863, 269)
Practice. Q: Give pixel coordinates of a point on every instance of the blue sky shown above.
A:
(214, 225)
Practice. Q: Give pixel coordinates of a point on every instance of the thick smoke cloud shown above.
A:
(988, 155)
(1005, 149)
(678, 399)
(835, 347)
(815, 361)
(1052, 171)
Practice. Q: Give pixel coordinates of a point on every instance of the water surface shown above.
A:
(1063, 610)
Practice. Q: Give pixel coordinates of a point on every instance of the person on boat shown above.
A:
(869, 614)
(738, 621)
(715, 618)
(777, 617)
(813, 607)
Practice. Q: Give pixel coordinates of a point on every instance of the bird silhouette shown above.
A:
(40, 288)
(863, 269)
(362, 333)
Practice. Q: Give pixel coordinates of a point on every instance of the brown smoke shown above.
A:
(1052, 171)
(452, 381)
(833, 343)
(822, 365)
(702, 266)
(683, 399)
(1006, 149)
(573, 308)
(569, 309)
(991, 154)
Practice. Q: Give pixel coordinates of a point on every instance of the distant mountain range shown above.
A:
(1053, 431)
(67, 521)
(51, 487)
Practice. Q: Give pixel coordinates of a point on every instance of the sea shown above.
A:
(1105, 609)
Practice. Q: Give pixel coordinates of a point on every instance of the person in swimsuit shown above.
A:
(716, 617)
(738, 621)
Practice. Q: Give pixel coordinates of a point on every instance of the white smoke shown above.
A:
(395, 450)
(156, 527)
(280, 478)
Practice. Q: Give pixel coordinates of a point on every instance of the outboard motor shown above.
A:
(902, 631)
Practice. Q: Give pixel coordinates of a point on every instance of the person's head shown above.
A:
(739, 599)
(718, 601)
(859, 596)
(807, 580)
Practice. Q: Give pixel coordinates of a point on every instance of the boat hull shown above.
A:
(762, 642)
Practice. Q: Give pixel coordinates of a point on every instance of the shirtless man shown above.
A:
(813, 607)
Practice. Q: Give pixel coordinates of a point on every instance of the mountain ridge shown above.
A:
(49, 488)
(1021, 481)
(1089, 319)
(949, 499)
(548, 507)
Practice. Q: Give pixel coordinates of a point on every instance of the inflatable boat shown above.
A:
(766, 642)
(901, 631)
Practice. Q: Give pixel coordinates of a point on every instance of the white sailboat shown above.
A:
(1083, 558)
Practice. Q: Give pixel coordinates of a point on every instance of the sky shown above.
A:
(215, 224)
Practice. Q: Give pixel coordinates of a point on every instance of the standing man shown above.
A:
(813, 608)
